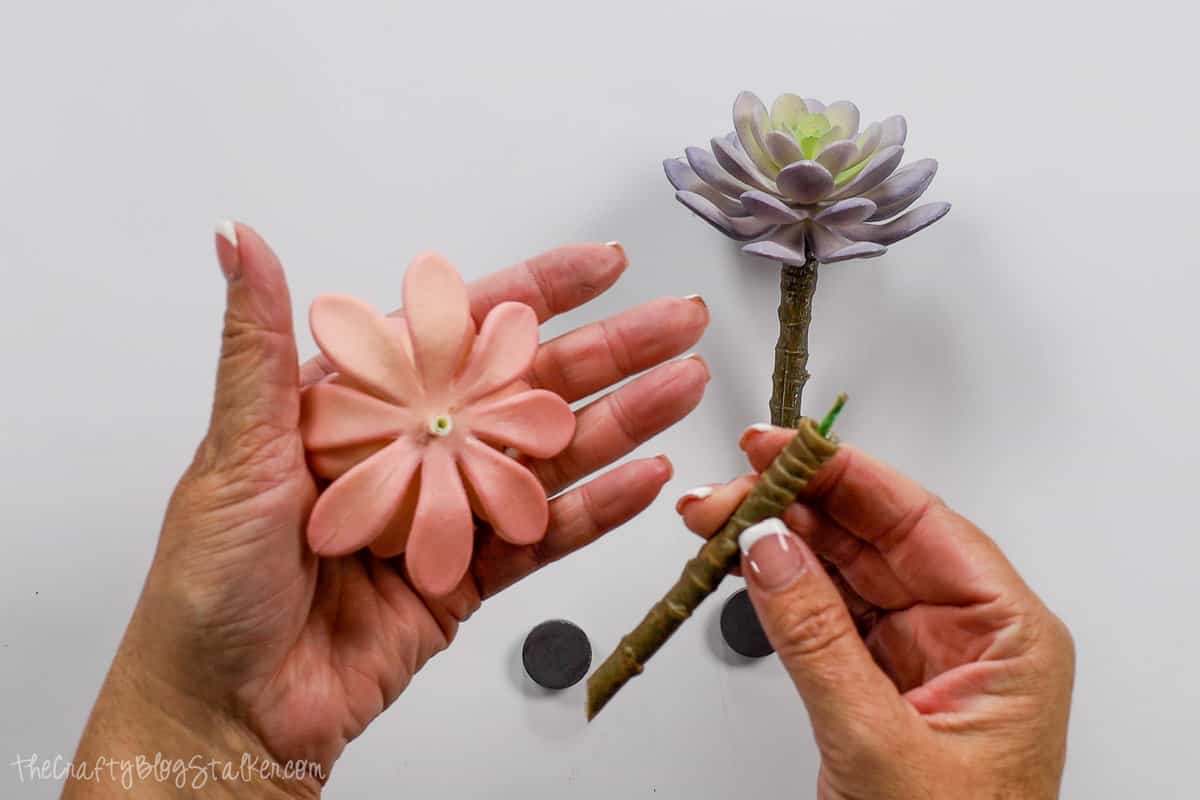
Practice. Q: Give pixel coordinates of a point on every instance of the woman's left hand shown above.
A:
(243, 641)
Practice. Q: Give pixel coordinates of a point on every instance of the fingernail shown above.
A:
(703, 363)
(691, 495)
(667, 463)
(755, 430)
(695, 298)
(620, 249)
(227, 249)
(774, 554)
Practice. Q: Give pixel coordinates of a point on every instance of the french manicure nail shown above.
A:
(774, 554)
(757, 429)
(227, 249)
(692, 495)
(615, 245)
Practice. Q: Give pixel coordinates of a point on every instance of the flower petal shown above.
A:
(787, 249)
(901, 227)
(843, 114)
(740, 228)
(881, 165)
(751, 122)
(902, 189)
(357, 506)
(511, 497)
(360, 343)
(709, 171)
(783, 148)
(868, 141)
(440, 542)
(837, 156)
(892, 131)
(438, 313)
(334, 416)
(729, 154)
(501, 352)
(805, 181)
(830, 246)
(814, 105)
(334, 463)
(769, 208)
(852, 209)
(682, 177)
(539, 423)
(787, 110)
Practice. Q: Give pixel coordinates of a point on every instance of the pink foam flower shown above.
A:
(412, 427)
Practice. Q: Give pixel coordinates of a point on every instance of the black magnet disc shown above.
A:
(557, 654)
(741, 629)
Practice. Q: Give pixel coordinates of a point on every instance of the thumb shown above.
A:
(256, 404)
(806, 620)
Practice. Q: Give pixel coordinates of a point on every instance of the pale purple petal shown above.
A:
(787, 110)
(783, 148)
(729, 155)
(786, 252)
(902, 189)
(868, 141)
(751, 122)
(843, 114)
(837, 156)
(881, 165)
(805, 181)
(682, 177)
(830, 246)
(769, 208)
(901, 227)
(705, 166)
(850, 210)
(813, 105)
(740, 228)
(892, 131)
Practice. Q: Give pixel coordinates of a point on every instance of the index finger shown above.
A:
(939, 555)
(550, 283)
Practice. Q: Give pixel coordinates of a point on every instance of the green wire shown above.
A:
(827, 424)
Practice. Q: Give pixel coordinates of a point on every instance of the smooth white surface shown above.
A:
(1032, 357)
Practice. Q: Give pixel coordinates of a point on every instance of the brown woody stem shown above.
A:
(775, 490)
(797, 285)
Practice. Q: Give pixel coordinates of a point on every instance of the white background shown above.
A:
(1031, 357)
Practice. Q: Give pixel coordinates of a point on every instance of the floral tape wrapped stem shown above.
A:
(797, 285)
(776, 489)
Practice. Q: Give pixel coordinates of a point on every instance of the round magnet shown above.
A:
(741, 629)
(556, 654)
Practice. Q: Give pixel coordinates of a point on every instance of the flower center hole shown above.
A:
(441, 425)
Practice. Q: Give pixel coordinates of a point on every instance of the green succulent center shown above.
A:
(808, 130)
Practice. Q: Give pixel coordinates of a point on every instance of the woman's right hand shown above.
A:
(928, 667)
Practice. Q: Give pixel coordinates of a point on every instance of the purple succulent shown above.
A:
(802, 181)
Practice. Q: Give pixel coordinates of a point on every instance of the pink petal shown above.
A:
(392, 541)
(513, 500)
(503, 350)
(359, 341)
(336, 416)
(443, 532)
(438, 313)
(536, 422)
(335, 463)
(357, 506)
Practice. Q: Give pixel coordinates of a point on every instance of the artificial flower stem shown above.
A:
(797, 285)
(775, 490)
